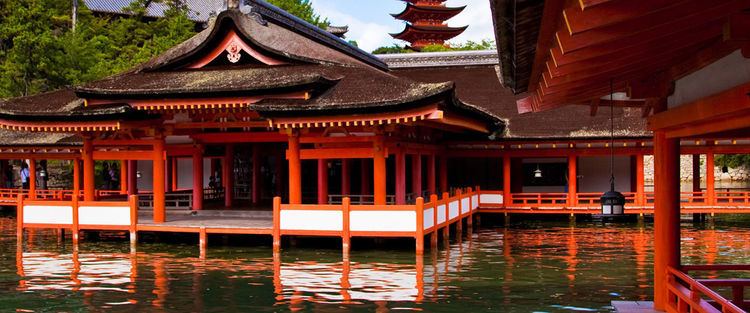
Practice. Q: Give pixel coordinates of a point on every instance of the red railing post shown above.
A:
(459, 226)
(345, 231)
(133, 202)
(19, 219)
(276, 231)
(419, 235)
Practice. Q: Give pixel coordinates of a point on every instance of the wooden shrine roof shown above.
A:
(288, 69)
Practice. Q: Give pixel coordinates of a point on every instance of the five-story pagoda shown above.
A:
(426, 23)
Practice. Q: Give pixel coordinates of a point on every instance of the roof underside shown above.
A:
(573, 50)
(417, 32)
(416, 12)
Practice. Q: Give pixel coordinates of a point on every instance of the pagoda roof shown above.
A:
(285, 66)
(414, 12)
(428, 31)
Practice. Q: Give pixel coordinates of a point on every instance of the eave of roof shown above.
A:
(445, 31)
(440, 59)
(443, 11)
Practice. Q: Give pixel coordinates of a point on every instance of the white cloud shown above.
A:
(479, 18)
(368, 35)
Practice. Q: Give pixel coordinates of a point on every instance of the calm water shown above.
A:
(542, 267)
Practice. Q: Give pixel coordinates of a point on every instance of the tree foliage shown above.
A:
(302, 9)
(40, 52)
(733, 160)
(468, 45)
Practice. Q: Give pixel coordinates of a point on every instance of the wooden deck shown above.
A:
(213, 222)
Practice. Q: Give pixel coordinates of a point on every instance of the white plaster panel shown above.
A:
(48, 214)
(184, 173)
(491, 199)
(441, 213)
(474, 202)
(591, 177)
(465, 205)
(311, 220)
(429, 218)
(383, 221)
(453, 209)
(99, 215)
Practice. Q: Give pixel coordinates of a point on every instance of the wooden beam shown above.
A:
(243, 137)
(579, 20)
(336, 153)
(123, 155)
(237, 124)
(550, 23)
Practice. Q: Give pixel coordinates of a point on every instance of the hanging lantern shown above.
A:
(138, 174)
(612, 201)
(42, 173)
(537, 172)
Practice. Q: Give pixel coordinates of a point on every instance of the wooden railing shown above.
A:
(732, 197)
(686, 294)
(359, 199)
(540, 199)
(172, 201)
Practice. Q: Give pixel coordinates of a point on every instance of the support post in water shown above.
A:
(203, 242)
(276, 224)
(19, 219)
(447, 227)
(460, 222)
(345, 235)
(133, 201)
(419, 236)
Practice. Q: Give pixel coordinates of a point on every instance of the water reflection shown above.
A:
(544, 267)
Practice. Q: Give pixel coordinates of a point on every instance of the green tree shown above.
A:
(395, 48)
(302, 9)
(466, 46)
(733, 160)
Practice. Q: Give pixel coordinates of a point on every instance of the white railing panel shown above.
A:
(101, 215)
(491, 199)
(311, 220)
(474, 202)
(429, 216)
(441, 214)
(465, 205)
(385, 221)
(453, 209)
(48, 214)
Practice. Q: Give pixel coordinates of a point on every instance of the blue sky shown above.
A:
(370, 21)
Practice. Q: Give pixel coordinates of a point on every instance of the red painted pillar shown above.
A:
(173, 186)
(506, 181)
(76, 179)
(443, 174)
(416, 174)
(346, 177)
(431, 186)
(123, 177)
(322, 181)
(379, 172)
(132, 177)
(666, 213)
(88, 170)
(159, 179)
(227, 173)
(640, 183)
(32, 179)
(710, 178)
(400, 177)
(198, 178)
(168, 177)
(572, 179)
(295, 171)
(256, 174)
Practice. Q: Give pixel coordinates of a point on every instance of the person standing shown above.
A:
(25, 175)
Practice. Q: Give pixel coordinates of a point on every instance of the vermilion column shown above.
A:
(227, 173)
(168, 177)
(256, 174)
(198, 179)
(132, 177)
(506, 181)
(431, 186)
(88, 170)
(295, 171)
(443, 174)
(174, 174)
(710, 178)
(666, 213)
(76, 178)
(346, 177)
(379, 172)
(640, 184)
(32, 178)
(400, 164)
(322, 181)
(123, 177)
(572, 179)
(159, 179)
(416, 173)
